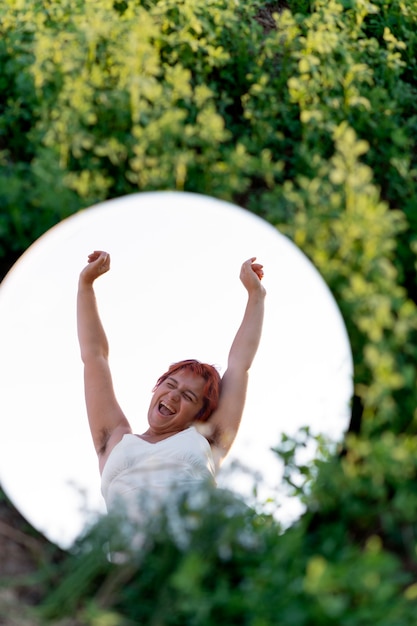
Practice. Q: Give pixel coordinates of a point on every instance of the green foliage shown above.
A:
(351, 93)
(313, 126)
(110, 101)
(337, 217)
(219, 562)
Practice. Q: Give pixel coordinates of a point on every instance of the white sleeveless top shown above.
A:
(139, 476)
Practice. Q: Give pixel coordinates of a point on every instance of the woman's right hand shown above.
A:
(98, 264)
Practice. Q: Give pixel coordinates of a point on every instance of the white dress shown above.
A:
(139, 477)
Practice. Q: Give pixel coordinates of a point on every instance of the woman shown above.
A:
(193, 416)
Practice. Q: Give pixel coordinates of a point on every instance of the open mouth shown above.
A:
(165, 410)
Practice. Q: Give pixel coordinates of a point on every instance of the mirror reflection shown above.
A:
(159, 304)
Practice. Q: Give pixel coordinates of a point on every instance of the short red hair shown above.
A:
(211, 390)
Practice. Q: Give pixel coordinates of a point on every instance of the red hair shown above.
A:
(211, 390)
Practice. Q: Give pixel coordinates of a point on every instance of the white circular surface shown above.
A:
(173, 292)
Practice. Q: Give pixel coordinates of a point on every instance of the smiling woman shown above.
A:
(179, 402)
(211, 386)
(185, 392)
(172, 294)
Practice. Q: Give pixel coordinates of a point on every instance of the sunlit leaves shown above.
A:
(312, 125)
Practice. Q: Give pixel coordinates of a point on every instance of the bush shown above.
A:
(312, 125)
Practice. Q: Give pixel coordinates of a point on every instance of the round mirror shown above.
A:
(173, 293)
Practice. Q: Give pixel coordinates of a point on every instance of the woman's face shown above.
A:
(176, 402)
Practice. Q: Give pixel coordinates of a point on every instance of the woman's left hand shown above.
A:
(251, 274)
(98, 264)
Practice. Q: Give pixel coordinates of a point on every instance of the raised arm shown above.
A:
(107, 421)
(226, 419)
